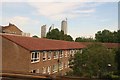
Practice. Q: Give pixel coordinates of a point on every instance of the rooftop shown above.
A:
(31, 43)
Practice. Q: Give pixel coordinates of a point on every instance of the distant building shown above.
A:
(51, 27)
(43, 31)
(11, 29)
(64, 26)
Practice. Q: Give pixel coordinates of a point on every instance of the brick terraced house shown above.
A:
(37, 55)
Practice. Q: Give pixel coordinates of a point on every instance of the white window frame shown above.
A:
(54, 68)
(49, 55)
(33, 57)
(44, 70)
(36, 71)
(44, 52)
(60, 65)
(66, 64)
(49, 69)
(81, 51)
(66, 53)
(56, 54)
(61, 54)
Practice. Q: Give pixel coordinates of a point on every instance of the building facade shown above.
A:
(43, 31)
(64, 26)
(11, 29)
(35, 55)
(51, 28)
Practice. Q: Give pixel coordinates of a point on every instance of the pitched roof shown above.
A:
(31, 43)
(10, 25)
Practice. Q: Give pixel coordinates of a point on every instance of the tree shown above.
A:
(117, 58)
(83, 39)
(35, 36)
(68, 38)
(54, 34)
(58, 35)
(108, 36)
(118, 36)
(95, 60)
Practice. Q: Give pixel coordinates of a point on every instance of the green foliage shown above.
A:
(35, 36)
(58, 35)
(117, 58)
(83, 39)
(108, 36)
(111, 76)
(93, 62)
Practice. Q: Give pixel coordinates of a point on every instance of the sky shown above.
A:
(84, 18)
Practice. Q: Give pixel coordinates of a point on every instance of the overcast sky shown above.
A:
(84, 18)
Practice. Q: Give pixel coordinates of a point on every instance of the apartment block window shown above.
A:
(44, 55)
(49, 55)
(61, 54)
(55, 54)
(44, 70)
(66, 64)
(35, 71)
(81, 51)
(49, 70)
(60, 65)
(35, 57)
(66, 53)
(55, 68)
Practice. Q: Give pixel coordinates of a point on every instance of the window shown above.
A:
(61, 54)
(72, 52)
(49, 55)
(55, 54)
(81, 51)
(60, 65)
(49, 70)
(66, 54)
(44, 70)
(44, 55)
(66, 64)
(35, 71)
(54, 68)
(35, 57)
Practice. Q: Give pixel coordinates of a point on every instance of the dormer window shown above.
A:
(35, 57)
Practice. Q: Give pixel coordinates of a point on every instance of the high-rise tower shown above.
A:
(43, 31)
(51, 27)
(64, 26)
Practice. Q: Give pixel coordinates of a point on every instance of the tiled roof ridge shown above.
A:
(42, 42)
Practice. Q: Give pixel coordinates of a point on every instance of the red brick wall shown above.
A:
(14, 57)
(12, 30)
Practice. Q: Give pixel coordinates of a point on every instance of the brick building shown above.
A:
(11, 29)
(37, 55)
